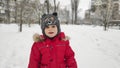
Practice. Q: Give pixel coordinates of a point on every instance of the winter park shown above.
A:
(94, 36)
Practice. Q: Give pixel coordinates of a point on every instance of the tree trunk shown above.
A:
(8, 12)
(15, 11)
(75, 12)
(21, 19)
(54, 5)
(105, 25)
(108, 13)
(72, 17)
(72, 7)
(47, 2)
(39, 18)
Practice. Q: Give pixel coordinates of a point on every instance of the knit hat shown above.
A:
(50, 19)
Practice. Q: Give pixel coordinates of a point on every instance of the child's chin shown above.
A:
(51, 36)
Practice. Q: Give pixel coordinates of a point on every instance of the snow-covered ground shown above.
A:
(94, 48)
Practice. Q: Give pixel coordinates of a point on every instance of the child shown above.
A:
(52, 49)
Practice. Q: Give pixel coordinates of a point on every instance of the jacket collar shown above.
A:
(40, 38)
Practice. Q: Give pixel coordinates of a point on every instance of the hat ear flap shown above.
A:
(55, 14)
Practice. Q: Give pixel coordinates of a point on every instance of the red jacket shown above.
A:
(55, 53)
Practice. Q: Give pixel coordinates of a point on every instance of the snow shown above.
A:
(94, 48)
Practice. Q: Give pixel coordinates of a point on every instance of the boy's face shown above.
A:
(51, 30)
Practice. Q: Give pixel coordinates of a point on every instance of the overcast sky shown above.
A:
(83, 5)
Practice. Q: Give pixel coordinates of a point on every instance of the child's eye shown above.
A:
(53, 26)
(47, 27)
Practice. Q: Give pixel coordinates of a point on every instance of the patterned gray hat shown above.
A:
(50, 19)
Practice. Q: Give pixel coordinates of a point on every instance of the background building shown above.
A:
(100, 9)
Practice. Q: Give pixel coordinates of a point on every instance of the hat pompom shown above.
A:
(44, 15)
(55, 14)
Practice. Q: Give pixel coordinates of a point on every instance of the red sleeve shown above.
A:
(34, 61)
(69, 57)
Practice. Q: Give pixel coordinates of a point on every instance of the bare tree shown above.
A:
(21, 21)
(15, 11)
(57, 7)
(38, 9)
(106, 13)
(22, 4)
(74, 7)
(8, 11)
(73, 10)
(54, 5)
(47, 3)
(76, 10)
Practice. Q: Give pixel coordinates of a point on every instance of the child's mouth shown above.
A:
(51, 32)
